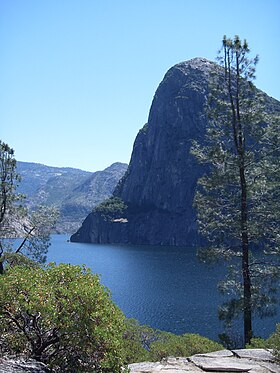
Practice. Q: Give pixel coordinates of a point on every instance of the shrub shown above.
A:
(181, 345)
(62, 316)
(273, 342)
(142, 343)
(258, 343)
(137, 341)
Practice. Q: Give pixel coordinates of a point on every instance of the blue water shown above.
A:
(164, 287)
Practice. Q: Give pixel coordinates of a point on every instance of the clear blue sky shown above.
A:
(77, 77)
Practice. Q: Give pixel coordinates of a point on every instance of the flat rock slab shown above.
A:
(255, 354)
(218, 354)
(223, 364)
(251, 361)
(170, 365)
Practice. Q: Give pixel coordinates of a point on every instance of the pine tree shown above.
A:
(35, 226)
(237, 200)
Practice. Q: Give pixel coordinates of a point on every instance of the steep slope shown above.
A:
(35, 176)
(159, 185)
(93, 190)
(73, 191)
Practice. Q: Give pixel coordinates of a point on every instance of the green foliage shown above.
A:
(111, 208)
(142, 343)
(231, 339)
(237, 200)
(138, 340)
(17, 259)
(35, 231)
(258, 343)
(62, 316)
(37, 239)
(16, 221)
(273, 342)
(181, 345)
(8, 182)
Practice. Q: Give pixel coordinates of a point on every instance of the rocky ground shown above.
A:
(21, 365)
(252, 361)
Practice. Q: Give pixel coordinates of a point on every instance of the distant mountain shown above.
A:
(73, 191)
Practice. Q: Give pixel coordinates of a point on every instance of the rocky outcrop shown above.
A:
(159, 185)
(252, 361)
(22, 365)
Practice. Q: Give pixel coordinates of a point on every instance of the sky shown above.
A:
(77, 77)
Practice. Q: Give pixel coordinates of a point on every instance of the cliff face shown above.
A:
(159, 184)
(161, 173)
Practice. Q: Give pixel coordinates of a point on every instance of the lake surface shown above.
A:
(164, 287)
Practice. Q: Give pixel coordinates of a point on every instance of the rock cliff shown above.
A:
(158, 187)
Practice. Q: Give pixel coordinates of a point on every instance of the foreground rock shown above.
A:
(252, 361)
(21, 365)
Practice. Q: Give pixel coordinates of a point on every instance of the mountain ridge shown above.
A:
(75, 192)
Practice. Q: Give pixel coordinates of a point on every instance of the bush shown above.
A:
(258, 343)
(61, 316)
(142, 343)
(137, 341)
(181, 345)
(273, 342)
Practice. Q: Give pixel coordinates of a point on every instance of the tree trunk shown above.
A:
(1, 262)
(247, 311)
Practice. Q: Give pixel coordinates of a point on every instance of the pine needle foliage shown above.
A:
(237, 200)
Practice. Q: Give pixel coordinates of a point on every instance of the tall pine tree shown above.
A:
(237, 200)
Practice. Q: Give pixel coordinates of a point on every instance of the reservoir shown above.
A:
(164, 287)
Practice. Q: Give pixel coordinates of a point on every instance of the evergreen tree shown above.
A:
(237, 200)
(35, 227)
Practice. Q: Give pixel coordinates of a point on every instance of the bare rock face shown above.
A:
(22, 365)
(160, 182)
